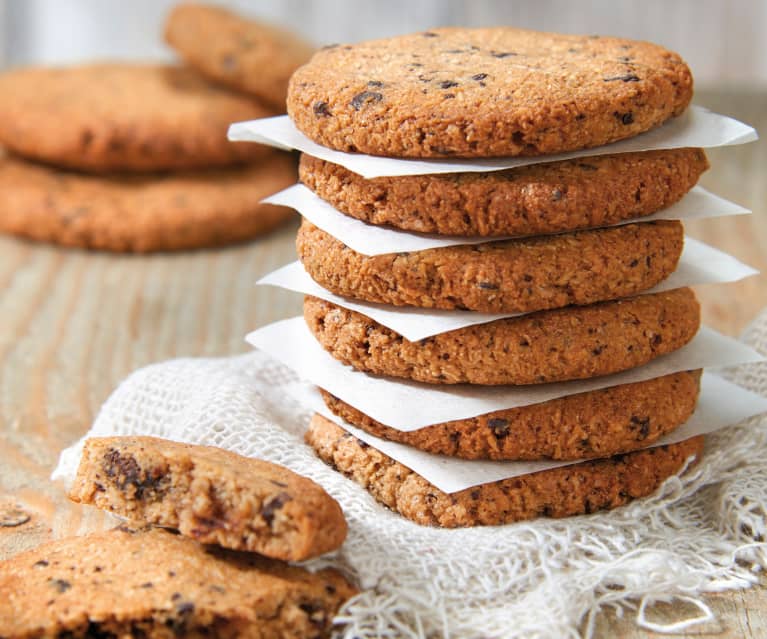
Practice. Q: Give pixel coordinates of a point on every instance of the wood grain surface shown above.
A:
(73, 324)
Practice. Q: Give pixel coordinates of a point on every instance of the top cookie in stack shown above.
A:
(486, 93)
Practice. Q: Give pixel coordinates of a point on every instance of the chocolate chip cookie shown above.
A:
(246, 55)
(513, 276)
(560, 492)
(534, 200)
(599, 423)
(152, 583)
(210, 494)
(500, 91)
(141, 213)
(123, 117)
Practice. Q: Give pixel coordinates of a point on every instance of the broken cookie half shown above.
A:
(210, 494)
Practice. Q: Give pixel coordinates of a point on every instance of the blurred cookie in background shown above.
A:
(243, 54)
(142, 213)
(122, 117)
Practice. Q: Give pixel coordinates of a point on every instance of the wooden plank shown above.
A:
(73, 324)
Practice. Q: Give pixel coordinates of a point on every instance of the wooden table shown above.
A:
(73, 324)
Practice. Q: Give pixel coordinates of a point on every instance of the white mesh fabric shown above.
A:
(701, 533)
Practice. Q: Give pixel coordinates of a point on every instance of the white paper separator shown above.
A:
(696, 127)
(699, 264)
(370, 239)
(720, 404)
(407, 405)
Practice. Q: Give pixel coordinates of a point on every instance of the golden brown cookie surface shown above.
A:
(533, 200)
(577, 342)
(122, 117)
(152, 583)
(500, 91)
(244, 54)
(141, 213)
(599, 423)
(560, 492)
(210, 494)
(512, 276)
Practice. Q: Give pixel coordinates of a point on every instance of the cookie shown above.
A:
(560, 492)
(472, 93)
(141, 213)
(512, 276)
(243, 54)
(122, 117)
(532, 200)
(152, 583)
(577, 342)
(210, 494)
(599, 423)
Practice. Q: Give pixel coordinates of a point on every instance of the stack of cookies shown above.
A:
(134, 157)
(555, 251)
(142, 581)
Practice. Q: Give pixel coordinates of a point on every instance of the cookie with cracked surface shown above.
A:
(560, 492)
(142, 213)
(152, 583)
(532, 200)
(598, 423)
(457, 92)
(210, 494)
(123, 117)
(509, 276)
(577, 342)
(243, 54)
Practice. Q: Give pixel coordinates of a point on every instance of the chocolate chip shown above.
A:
(657, 339)
(556, 195)
(447, 84)
(488, 286)
(499, 426)
(429, 34)
(629, 77)
(643, 423)
(273, 505)
(633, 263)
(315, 612)
(62, 585)
(448, 96)
(598, 350)
(147, 584)
(479, 76)
(627, 118)
(125, 471)
(322, 110)
(375, 83)
(502, 54)
(366, 97)
(40, 564)
(474, 494)
(229, 63)
(185, 608)
(362, 444)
